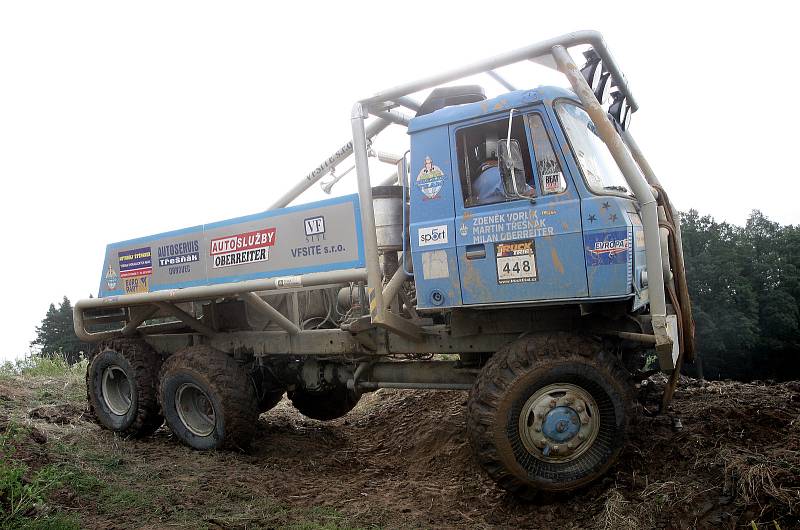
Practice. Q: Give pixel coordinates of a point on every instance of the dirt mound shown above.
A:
(401, 459)
(736, 459)
(62, 414)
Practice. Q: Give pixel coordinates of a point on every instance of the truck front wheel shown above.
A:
(208, 399)
(549, 413)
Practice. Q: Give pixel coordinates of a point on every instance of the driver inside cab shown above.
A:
(487, 187)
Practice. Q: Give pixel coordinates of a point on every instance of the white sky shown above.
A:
(119, 120)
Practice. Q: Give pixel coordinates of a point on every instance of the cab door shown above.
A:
(517, 250)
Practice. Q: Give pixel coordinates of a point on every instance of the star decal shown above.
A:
(606, 205)
(592, 218)
(612, 217)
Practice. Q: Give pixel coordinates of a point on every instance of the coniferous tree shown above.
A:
(56, 336)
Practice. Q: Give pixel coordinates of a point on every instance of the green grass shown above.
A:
(42, 366)
(38, 372)
(96, 470)
(22, 490)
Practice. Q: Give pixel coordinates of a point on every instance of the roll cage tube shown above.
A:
(555, 49)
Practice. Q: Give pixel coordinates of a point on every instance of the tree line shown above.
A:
(744, 282)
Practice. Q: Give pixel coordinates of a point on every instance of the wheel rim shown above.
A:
(117, 391)
(559, 422)
(195, 409)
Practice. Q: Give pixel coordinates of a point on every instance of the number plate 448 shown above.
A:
(516, 262)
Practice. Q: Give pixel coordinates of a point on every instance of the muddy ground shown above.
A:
(401, 460)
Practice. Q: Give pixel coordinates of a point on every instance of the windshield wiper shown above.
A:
(623, 189)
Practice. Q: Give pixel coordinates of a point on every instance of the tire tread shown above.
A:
(229, 380)
(508, 365)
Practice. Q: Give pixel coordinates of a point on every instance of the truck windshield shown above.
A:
(597, 165)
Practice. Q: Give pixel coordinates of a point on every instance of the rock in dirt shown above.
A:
(38, 436)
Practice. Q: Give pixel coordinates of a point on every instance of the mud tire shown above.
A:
(514, 374)
(327, 405)
(227, 388)
(140, 364)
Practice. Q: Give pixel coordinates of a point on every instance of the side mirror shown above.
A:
(512, 169)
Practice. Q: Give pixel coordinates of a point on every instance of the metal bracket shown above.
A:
(142, 314)
(187, 319)
(395, 324)
(257, 303)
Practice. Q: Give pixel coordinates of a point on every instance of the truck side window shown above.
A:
(551, 178)
(476, 148)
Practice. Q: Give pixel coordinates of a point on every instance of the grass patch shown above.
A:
(101, 475)
(56, 521)
(51, 379)
(25, 491)
(43, 366)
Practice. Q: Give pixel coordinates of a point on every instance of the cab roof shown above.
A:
(468, 111)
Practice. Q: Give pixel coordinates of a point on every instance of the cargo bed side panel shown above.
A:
(315, 237)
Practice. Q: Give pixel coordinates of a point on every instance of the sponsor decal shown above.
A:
(111, 278)
(242, 249)
(288, 282)
(552, 182)
(607, 248)
(179, 253)
(509, 226)
(516, 262)
(552, 179)
(463, 230)
(430, 179)
(137, 284)
(316, 250)
(135, 262)
(314, 228)
(432, 235)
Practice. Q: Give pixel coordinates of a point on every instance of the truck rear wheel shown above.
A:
(208, 399)
(121, 387)
(549, 413)
(326, 405)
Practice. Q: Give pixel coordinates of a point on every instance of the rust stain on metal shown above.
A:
(473, 283)
(500, 104)
(556, 260)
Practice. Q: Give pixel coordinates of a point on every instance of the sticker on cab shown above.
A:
(516, 262)
(432, 235)
(430, 179)
(607, 248)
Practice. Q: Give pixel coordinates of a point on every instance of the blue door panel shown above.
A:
(545, 232)
(431, 227)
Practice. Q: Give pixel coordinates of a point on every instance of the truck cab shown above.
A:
(570, 232)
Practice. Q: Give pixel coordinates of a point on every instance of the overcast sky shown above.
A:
(119, 120)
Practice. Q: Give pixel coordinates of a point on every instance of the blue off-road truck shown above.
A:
(522, 250)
